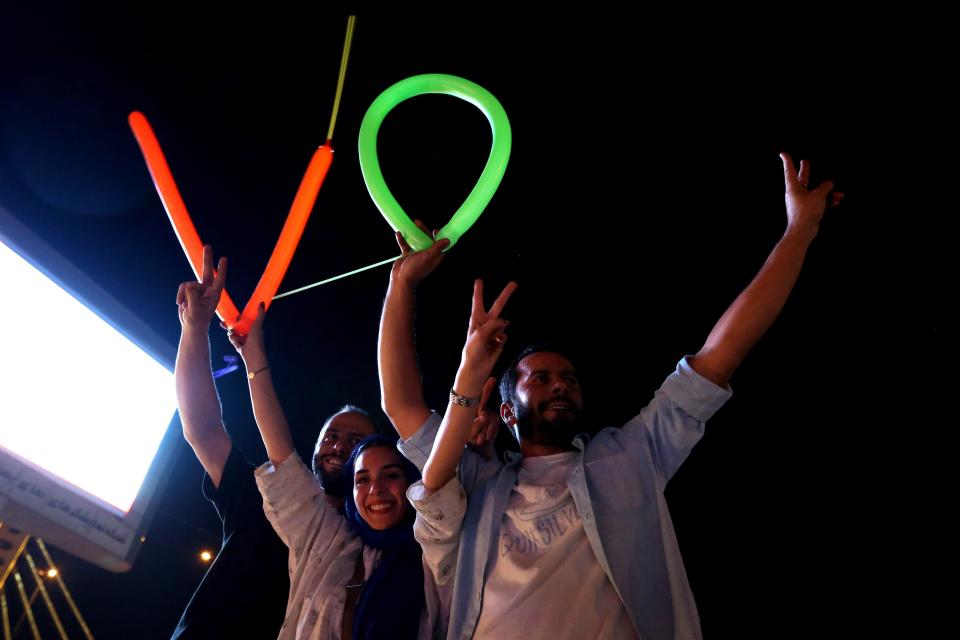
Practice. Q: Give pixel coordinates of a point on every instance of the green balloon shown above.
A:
(489, 180)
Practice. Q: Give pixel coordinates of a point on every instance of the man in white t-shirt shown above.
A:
(572, 538)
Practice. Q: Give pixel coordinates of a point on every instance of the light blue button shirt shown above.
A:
(617, 484)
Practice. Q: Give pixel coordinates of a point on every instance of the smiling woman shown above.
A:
(368, 564)
(370, 558)
(379, 513)
(380, 480)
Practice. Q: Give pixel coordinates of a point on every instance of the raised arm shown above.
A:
(485, 341)
(266, 406)
(401, 392)
(197, 398)
(755, 309)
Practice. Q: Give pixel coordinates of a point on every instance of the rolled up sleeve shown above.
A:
(674, 420)
(294, 502)
(417, 447)
(438, 525)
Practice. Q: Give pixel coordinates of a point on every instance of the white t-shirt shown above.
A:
(546, 581)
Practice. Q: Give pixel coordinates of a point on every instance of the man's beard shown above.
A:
(558, 432)
(333, 482)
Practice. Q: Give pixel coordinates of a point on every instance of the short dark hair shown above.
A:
(508, 381)
(350, 408)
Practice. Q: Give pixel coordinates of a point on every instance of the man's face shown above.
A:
(336, 441)
(548, 399)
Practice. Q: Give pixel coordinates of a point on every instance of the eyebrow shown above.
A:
(386, 466)
(562, 372)
(344, 432)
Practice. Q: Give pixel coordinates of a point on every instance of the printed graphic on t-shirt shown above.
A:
(544, 501)
(537, 526)
(545, 581)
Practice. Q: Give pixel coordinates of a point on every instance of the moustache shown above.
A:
(571, 407)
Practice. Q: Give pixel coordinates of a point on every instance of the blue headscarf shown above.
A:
(392, 599)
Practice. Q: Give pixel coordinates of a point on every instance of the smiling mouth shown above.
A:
(380, 507)
(333, 461)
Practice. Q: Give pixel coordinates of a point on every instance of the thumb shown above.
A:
(824, 188)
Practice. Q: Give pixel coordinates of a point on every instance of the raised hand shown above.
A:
(485, 426)
(198, 300)
(250, 346)
(805, 207)
(414, 266)
(486, 335)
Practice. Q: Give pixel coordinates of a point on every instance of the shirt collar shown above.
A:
(514, 458)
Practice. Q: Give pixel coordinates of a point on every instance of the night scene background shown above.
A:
(643, 193)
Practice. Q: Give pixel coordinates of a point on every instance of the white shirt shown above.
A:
(544, 559)
(323, 555)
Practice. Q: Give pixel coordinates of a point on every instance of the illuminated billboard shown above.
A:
(86, 401)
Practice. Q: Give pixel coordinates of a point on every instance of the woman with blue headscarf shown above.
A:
(358, 575)
(380, 477)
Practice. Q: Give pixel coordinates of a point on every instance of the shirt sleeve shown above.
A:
(417, 447)
(237, 497)
(438, 525)
(473, 469)
(674, 420)
(295, 504)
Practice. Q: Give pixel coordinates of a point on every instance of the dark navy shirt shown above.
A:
(244, 592)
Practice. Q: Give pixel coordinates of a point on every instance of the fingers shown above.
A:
(493, 425)
(487, 420)
(501, 300)
(433, 236)
(206, 273)
(803, 177)
(492, 331)
(441, 245)
(404, 247)
(423, 228)
(789, 172)
(238, 340)
(437, 248)
(488, 388)
(478, 430)
(836, 198)
(256, 326)
(824, 189)
(220, 279)
(192, 292)
(476, 309)
(484, 428)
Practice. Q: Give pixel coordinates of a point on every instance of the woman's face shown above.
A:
(380, 487)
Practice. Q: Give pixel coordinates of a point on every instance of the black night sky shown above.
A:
(643, 193)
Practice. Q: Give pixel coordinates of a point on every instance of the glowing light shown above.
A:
(52, 572)
(206, 556)
(76, 391)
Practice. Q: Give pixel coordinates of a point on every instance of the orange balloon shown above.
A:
(186, 232)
